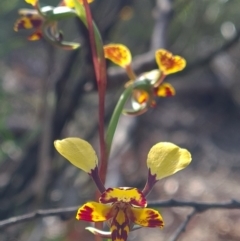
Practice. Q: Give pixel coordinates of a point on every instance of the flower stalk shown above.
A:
(101, 78)
(119, 108)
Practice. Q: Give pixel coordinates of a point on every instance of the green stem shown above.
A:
(143, 84)
(115, 117)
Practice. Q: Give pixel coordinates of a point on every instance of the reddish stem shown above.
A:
(101, 77)
(100, 72)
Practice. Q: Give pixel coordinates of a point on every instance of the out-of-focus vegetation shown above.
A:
(48, 93)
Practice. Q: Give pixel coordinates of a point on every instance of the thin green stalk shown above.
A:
(143, 84)
(115, 117)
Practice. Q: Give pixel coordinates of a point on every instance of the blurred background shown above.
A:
(48, 93)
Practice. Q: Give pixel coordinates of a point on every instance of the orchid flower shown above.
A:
(44, 21)
(142, 99)
(123, 207)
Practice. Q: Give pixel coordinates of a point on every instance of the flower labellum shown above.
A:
(123, 207)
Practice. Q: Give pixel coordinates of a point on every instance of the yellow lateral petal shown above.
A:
(124, 194)
(94, 212)
(169, 63)
(70, 3)
(165, 159)
(32, 2)
(141, 96)
(26, 23)
(165, 90)
(35, 36)
(146, 217)
(118, 54)
(79, 152)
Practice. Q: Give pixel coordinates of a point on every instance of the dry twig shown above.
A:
(198, 206)
(183, 226)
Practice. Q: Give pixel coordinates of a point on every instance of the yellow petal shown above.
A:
(141, 96)
(124, 194)
(94, 212)
(79, 152)
(165, 159)
(146, 217)
(28, 22)
(71, 4)
(165, 90)
(32, 2)
(118, 54)
(35, 36)
(89, 1)
(169, 63)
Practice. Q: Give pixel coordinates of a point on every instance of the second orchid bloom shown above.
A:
(143, 98)
(44, 22)
(123, 207)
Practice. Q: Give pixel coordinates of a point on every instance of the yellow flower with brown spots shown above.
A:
(123, 207)
(44, 21)
(142, 99)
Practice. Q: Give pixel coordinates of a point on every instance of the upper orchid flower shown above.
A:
(123, 207)
(44, 21)
(30, 18)
(167, 63)
(71, 4)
